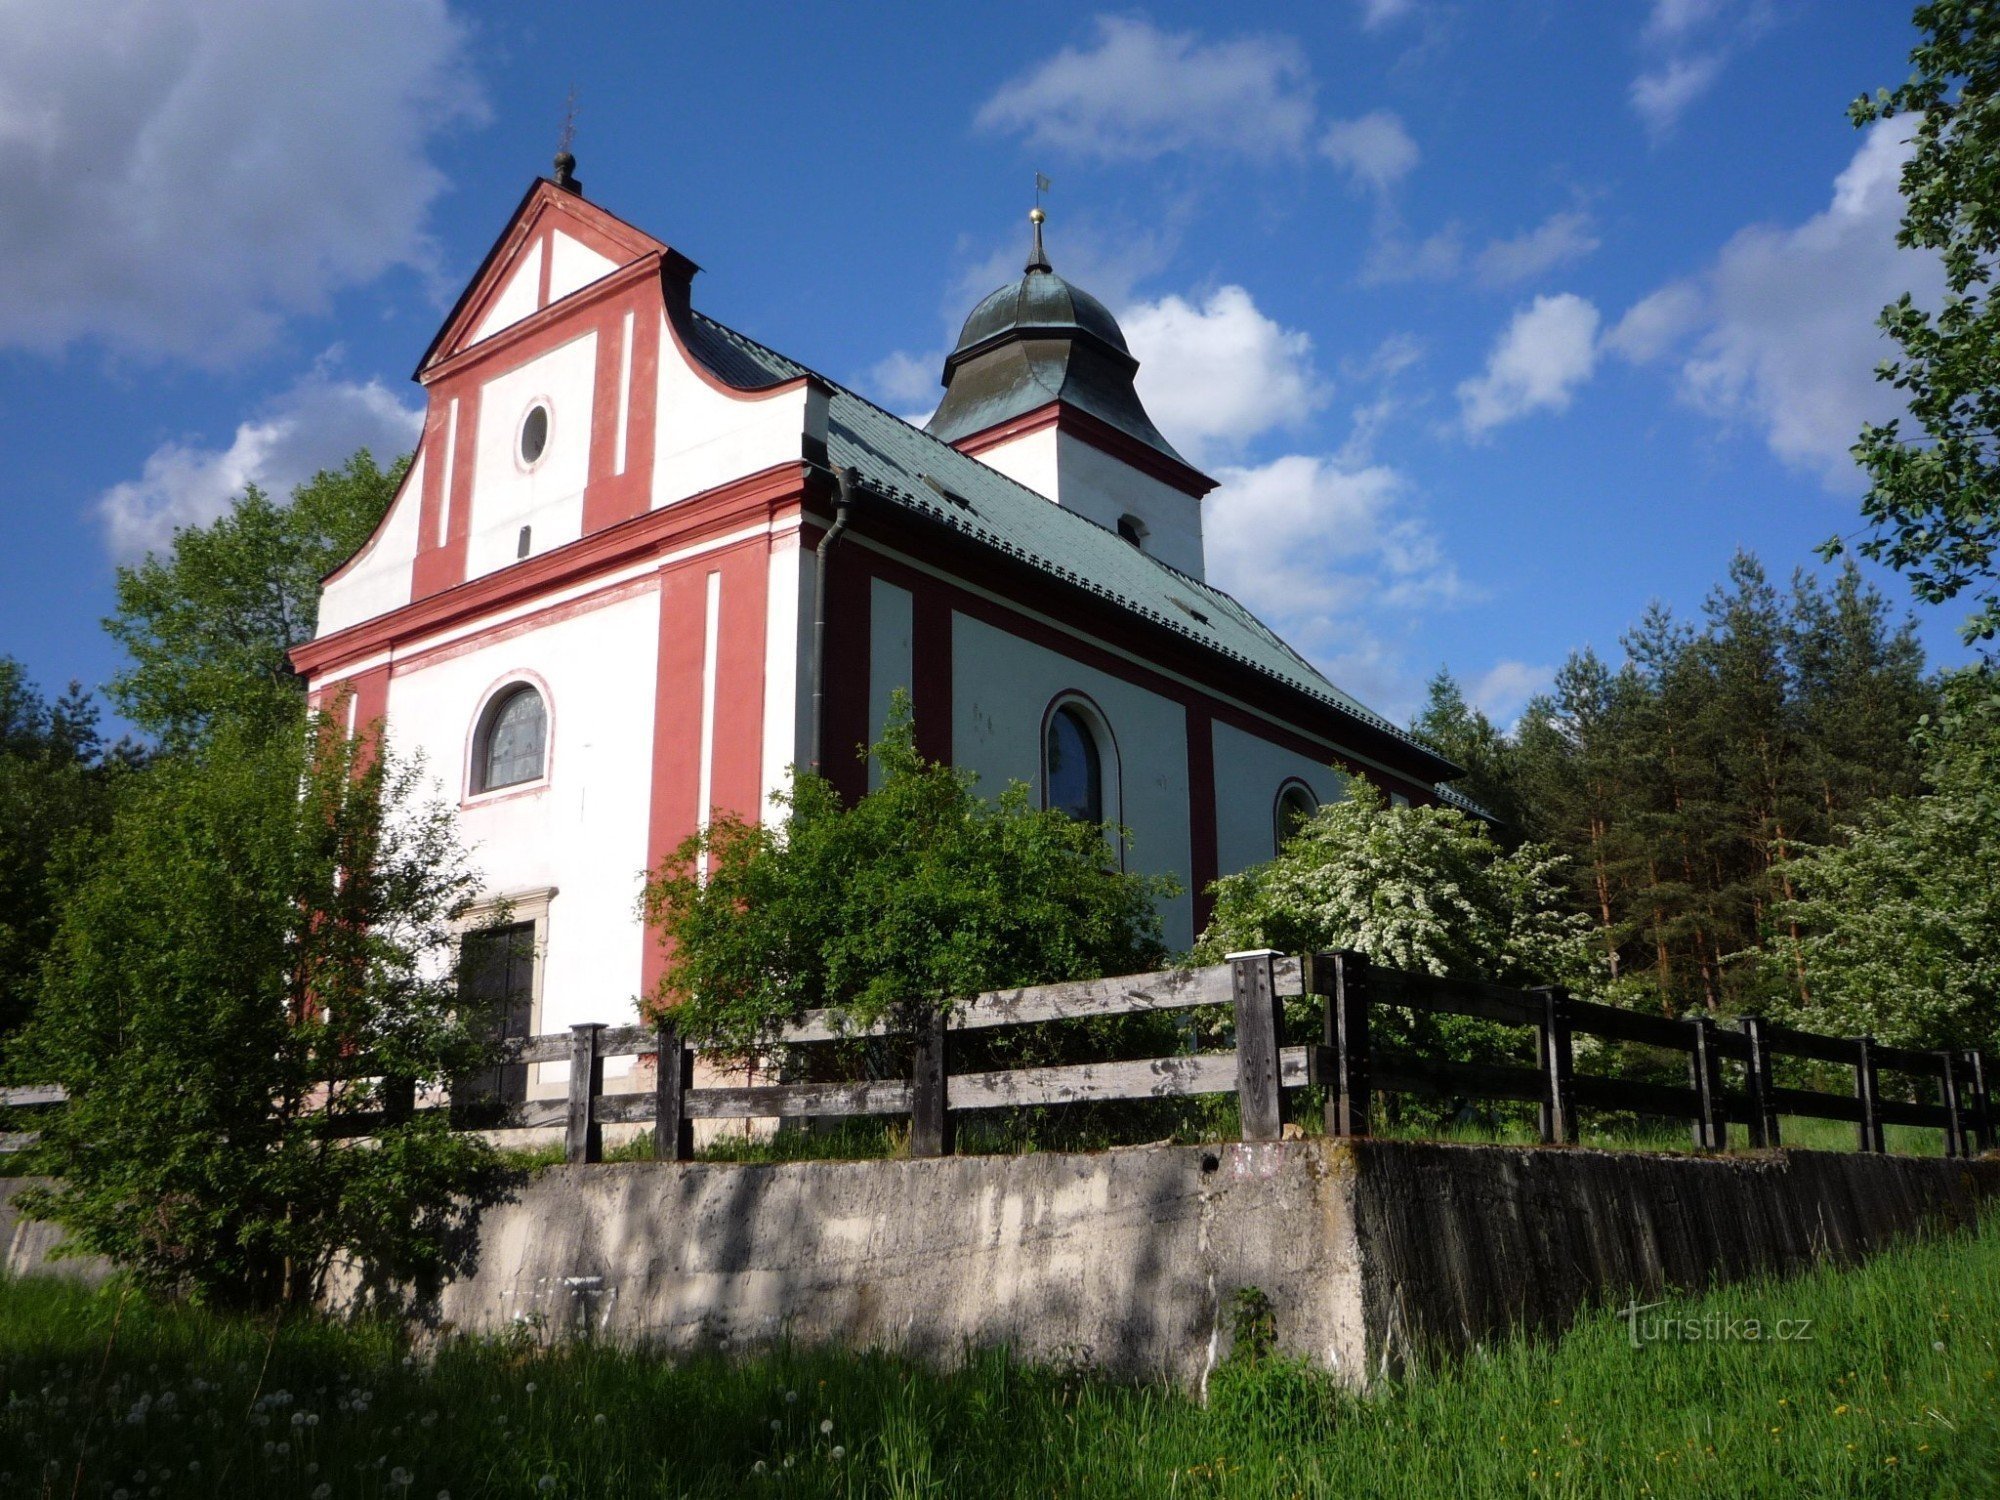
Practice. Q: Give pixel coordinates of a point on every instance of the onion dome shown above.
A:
(1036, 342)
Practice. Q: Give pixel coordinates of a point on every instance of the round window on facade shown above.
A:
(1073, 768)
(1296, 805)
(513, 740)
(534, 433)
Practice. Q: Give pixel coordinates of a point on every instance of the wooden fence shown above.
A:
(1730, 1072)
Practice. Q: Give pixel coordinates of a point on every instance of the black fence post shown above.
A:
(1981, 1100)
(1956, 1140)
(1711, 1129)
(1868, 1089)
(930, 1113)
(1352, 1067)
(1553, 1056)
(673, 1076)
(583, 1138)
(1757, 1076)
(1260, 1092)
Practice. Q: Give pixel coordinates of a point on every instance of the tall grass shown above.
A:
(1892, 1392)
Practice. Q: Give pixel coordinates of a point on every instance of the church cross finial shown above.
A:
(566, 177)
(1039, 261)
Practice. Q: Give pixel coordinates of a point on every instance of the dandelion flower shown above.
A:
(401, 1476)
(825, 1426)
(546, 1483)
(838, 1453)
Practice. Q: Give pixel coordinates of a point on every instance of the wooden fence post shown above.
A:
(1260, 1093)
(583, 1139)
(1757, 1074)
(673, 1131)
(1711, 1129)
(930, 1114)
(1981, 1099)
(1352, 1068)
(1957, 1141)
(1554, 1058)
(1867, 1088)
(399, 1100)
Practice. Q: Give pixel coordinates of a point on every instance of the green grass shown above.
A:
(1894, 1393)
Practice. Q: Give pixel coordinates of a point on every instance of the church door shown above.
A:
(497, 979)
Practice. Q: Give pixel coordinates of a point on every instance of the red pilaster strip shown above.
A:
(1203, 859)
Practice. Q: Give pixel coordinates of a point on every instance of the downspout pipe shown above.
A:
(848, 480)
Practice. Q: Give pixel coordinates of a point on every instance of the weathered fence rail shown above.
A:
(1730, 1072)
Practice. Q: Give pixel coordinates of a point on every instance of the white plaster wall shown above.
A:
(787, 629)
(1104, 488)
(1248, 774)
(585, 831)
(1001, 685)
(507, 494)
(1092, 483)
(573, 265)
(1029, 460)
(707, 437)
(378, 579)
(519, 297)
(891, 649)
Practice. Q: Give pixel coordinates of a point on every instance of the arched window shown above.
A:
(1072, 766)
(1296, 804)
(1133, 530)
(512, 745)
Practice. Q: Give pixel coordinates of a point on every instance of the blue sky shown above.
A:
(1497, 320)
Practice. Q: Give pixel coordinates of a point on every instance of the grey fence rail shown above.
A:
(1730, 1072)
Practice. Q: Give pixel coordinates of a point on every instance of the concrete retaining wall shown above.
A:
(1129, 1260)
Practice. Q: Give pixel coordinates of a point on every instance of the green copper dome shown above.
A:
(1037, 341)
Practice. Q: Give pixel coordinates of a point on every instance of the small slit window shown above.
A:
(512, 745)
(1133, 530)
(534, 433)
(1073, 767)
(1296, 805)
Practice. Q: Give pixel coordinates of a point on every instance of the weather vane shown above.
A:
(1042, 185)
(566, 177)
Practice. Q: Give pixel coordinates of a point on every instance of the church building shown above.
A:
(643, 565)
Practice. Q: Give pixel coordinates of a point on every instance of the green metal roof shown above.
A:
(911, 468)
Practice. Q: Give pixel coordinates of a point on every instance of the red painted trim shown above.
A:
(757, 498)
(548, 237)
(555, 614)
(1100, 434)
(1204, 858)
(604, 232)
(547, 327)
(930, 671)
(736, 768)
(676, 310)
(676, 778)
(1117, 627)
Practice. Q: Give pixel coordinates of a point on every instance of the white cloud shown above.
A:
(1216, 373)
(1331, 556)
(1140, 93)
(315, 425)
(1558, 240)
(1545, 353)
(1783, 323)
(905, 379)
(1394, 258)
(183, 175)
(1503, 690)
(1375, 149)
(1661, 96)
(1656, 322)
(1675, 18)
(1375, 14)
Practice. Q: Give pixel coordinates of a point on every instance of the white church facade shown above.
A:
(641, 566)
